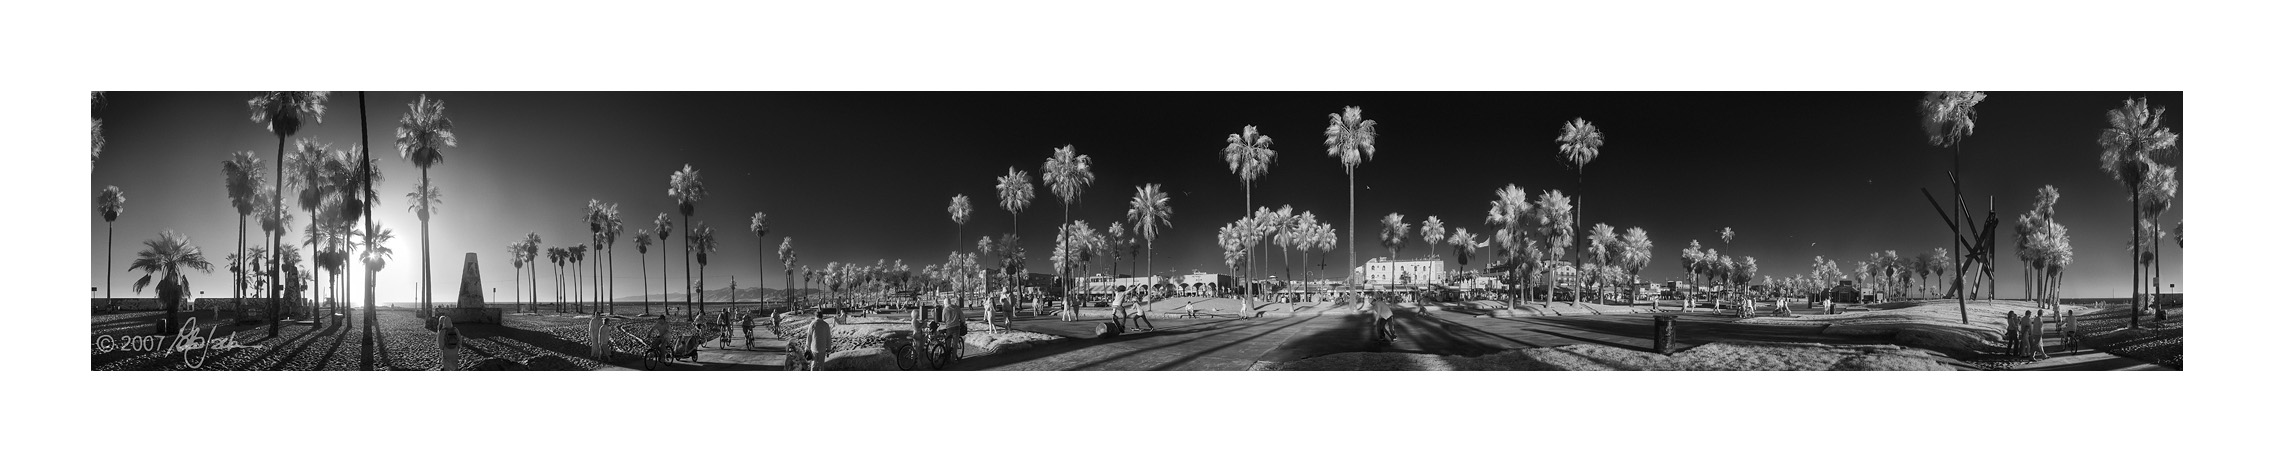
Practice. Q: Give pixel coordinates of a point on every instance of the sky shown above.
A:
(861, 176)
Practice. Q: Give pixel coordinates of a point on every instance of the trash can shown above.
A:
(1664, 339)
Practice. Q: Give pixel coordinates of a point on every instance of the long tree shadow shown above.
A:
(370, 319)
(1431, 335)
(1347, 333)
(1211, 332)
(1188, 358)
(1070, 344)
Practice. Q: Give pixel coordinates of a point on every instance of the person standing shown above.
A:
(817, 340)
(2013, 334)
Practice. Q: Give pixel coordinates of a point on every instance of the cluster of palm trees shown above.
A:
(2043, 246)
(2141, 153)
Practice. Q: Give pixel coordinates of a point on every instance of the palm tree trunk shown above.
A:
(237, 271)
(425, 247)
(1351, 173)
(612, 280)
(643, 284)
(2135, 252)
(110, 236)
(276, 245)
(687, 268)
(2155, 235)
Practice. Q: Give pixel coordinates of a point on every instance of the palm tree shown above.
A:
(167, 256)
(1283, 232)
(281, 113)
(1948, 118)
(2159, 188)
(663, 235)
(95, 127)
(1463, 247)
(1634, 254)
(758, 226)
(1233, 239)
(1553, 214)
(241, 175)
(641, 240)
(1433, 232)
(419, 138)
(1507, 211)
(1579, 143)
(1350, 139)
(426, 200)
(687, 189)
(959, 210)
(576, 259)
(614, 228)
(1067, 173)
(1149, 211)
(1248, 153)
(1394, 231)
(1602, 247)
(2134, 138)
(554, 255)
(375, 256)
(788, 255)
(1693, 260)
(705, 242)
(513, 250)
(111, 202)
(529, 253)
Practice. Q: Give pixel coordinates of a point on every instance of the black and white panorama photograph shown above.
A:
(1131, 231)
(1007, 231)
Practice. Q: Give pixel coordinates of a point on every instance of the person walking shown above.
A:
(1382, 313)
(817, 341)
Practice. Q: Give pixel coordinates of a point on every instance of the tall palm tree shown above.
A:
(614, 228)
(554, 255)
(1578, 144)
(599, 225)
(1114, 235)
(1433, 232)
(281, 112)
(241, 176)
(959, 210)
(758, 226)
(1634, 254)
(687, 189)
(788, 255)
(705, 242)
(1233, 239)
(1067, 173)
(167, 257)
(1248, 153)
(419, 137)
(513, 250)
(2134, 138)
(641, 241)
(1149, 212)
(1350, 139)
(110, 202)
(663, 235)
(529, 253)
(1283, 232)
(306, 166)
(1948, 118)
(1694, 261)
(2160, 188)
(576, 260)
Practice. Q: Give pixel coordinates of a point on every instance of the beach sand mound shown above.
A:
(1711, 357)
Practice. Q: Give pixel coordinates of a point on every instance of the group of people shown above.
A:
(2025, 332)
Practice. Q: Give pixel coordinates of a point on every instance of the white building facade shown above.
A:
(1381, 273)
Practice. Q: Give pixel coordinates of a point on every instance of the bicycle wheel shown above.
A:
(905, 356)
(950, 352)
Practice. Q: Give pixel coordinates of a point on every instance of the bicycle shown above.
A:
(927, 346)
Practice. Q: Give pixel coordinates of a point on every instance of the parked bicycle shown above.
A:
(929, 346)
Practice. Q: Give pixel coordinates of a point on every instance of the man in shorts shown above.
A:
(1382, 314)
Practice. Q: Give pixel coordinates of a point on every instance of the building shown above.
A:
(1203, 282)
(1382, 273)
